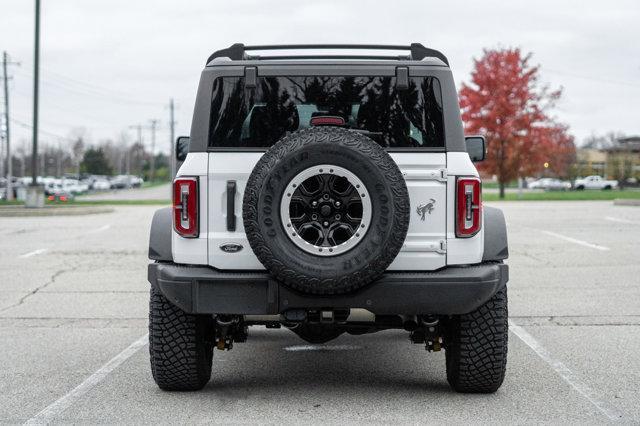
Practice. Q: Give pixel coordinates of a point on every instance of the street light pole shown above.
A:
(36, 78)
(35, 193)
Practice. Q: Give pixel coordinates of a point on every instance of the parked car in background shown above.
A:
(136, 181)
(74, 186)
(594, 182)
(550, 184)
(60, 197)
(101, 184)
(120, 182)
(51, 188)
(126, 181)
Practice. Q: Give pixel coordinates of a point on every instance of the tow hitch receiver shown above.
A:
(229, 329)
(429, 332)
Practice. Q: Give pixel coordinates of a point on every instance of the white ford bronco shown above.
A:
(328, 194)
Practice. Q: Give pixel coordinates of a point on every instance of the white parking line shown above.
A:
(33, 253)
(579, 242)
(102, 228)
(321, 348)
(620, 220)
(56, 408)
(567, 375)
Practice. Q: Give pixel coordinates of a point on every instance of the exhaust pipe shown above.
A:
(409, 322)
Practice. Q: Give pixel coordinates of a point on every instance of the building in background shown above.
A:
(590, 161)
(620, 161)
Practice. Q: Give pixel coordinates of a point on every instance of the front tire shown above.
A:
(476, 347)
(180, 346)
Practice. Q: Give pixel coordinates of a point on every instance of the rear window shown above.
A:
(257, 117)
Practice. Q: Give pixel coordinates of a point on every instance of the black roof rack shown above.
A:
(417, 52)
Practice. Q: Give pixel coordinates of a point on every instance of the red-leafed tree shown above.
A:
(506, 102)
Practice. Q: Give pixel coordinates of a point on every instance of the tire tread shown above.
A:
(295, 278)
(179, 353)
(476, 348)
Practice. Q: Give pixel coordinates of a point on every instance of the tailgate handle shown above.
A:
(231, 205)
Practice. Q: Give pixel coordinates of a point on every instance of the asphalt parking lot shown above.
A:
(73, 316)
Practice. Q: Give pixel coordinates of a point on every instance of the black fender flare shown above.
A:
(160, 235)
(496, 246)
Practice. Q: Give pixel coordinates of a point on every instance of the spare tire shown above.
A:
(326, 210)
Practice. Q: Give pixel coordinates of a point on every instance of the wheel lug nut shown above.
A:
(326, 223)
(314, 203)
(338, 217)
(338, 203)
(314, 216)
(325, 196)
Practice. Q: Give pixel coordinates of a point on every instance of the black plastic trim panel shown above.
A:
(205, 290)
(160, 235)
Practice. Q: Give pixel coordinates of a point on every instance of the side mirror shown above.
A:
(476, 147)
(182, 147)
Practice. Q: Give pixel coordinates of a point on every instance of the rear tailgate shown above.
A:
(425, 245)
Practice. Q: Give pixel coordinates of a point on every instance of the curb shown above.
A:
(21, 211)
(626, 202)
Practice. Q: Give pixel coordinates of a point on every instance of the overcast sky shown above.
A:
(109, 64)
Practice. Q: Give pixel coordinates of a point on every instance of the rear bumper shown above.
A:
(205, 290)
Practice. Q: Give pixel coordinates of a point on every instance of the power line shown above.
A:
(40, 131)
(78, 112)
(101, 94)
(104, 97)
(591, 78)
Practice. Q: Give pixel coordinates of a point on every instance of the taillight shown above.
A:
(468, 207)
(185, 206)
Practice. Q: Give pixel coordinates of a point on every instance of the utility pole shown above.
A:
(152, 172)
(7, 133)
(2, 158)
(138, 129)
(172, 140)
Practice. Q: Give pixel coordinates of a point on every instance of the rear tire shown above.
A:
(476, 347)
(180, 346)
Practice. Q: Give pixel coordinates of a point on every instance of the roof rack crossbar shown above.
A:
(237, 52)
(279, 57)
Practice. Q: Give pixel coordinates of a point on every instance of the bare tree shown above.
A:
(604, 141)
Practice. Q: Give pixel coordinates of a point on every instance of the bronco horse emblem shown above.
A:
(423, 208)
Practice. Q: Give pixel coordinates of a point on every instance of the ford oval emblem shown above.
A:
(231, 248)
